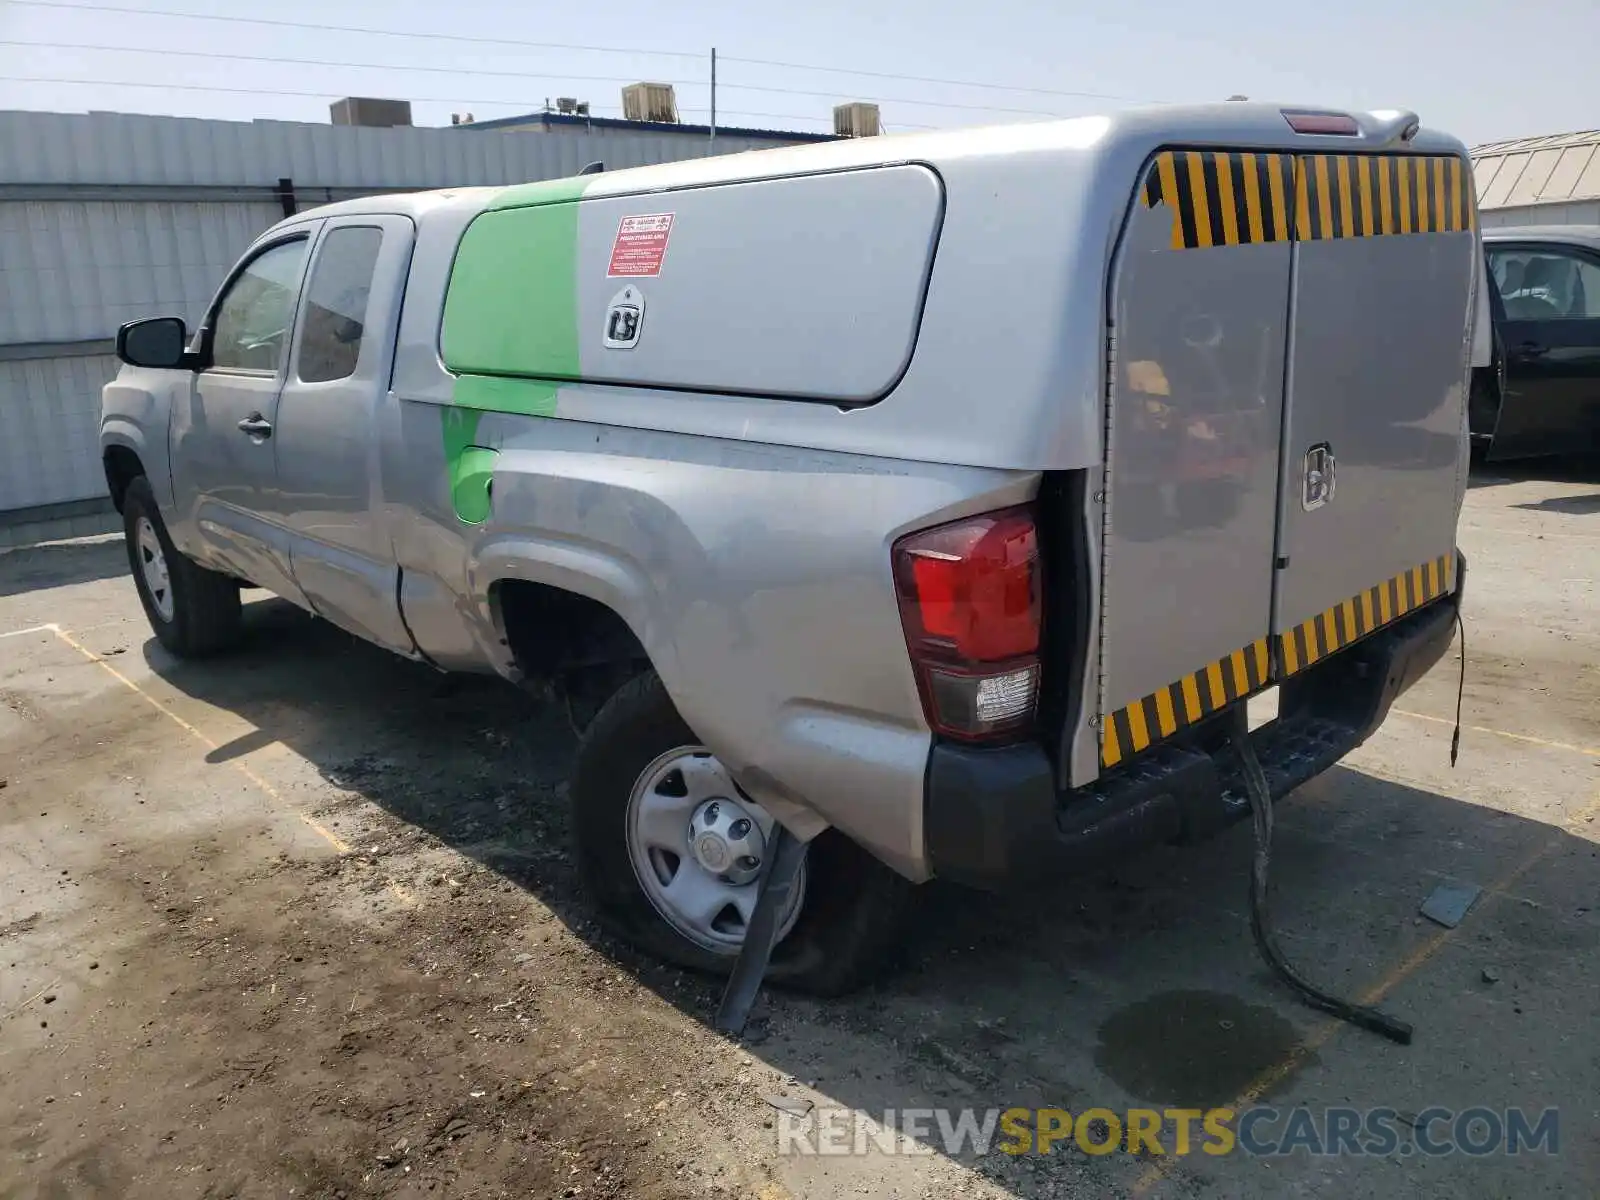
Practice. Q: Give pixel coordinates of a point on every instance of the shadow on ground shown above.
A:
(1136, 986)
(1572, 468)
(1577, 506)
(59, 564)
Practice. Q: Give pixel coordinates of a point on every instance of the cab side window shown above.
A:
(336, 303)
(250, 331)
(1546, 284)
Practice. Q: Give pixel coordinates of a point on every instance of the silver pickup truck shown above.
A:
(938, 499)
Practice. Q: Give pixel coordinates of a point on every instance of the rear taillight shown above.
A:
(970, 604)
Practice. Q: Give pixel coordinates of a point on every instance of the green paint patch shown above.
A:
(545, 191)
(471, 487)
(500, 393)
(510, 330)
(470, 467)
(512, 304)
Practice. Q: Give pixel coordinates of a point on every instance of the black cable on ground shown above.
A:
(1461, 687)
(1260, 925)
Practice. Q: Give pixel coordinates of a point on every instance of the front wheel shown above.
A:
(670, 852)
(194, 612)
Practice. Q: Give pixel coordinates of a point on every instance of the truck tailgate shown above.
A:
(1288, 369)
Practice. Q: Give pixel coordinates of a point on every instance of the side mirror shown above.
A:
(154, 342)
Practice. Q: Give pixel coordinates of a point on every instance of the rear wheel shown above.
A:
(193, 611)
(670, 852)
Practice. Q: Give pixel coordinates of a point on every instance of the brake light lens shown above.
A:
(1340, 124)
(970, 604)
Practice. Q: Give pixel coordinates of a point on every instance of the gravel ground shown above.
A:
(300, 922)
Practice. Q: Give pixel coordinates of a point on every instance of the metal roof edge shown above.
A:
(1548, 141)
(570, 121)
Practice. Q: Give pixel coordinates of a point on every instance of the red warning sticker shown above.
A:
(640, 246)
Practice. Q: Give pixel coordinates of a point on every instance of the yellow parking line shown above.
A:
(333, 839)
(1516, 737)
(1322, 1034)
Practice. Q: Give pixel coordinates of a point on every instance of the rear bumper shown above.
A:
(994, 817)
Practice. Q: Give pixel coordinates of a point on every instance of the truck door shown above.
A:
(327, 434)
(1551, 334)
(1287, 372)
(222, 451)
(1385, 260)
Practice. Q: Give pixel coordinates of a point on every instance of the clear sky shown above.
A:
(1478, 69)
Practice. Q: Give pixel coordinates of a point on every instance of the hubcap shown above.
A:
(153, 566)
(698, 845)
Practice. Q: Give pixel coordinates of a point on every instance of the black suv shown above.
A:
(1543, 394)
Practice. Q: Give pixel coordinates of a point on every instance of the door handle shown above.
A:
(1531, 349)
(256, 426)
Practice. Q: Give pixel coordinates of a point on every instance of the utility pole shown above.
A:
(713, 93)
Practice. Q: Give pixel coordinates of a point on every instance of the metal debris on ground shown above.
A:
(1448, 903)
(795, 1106)
(394, 1154)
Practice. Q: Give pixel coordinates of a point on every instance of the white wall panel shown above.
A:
(74, 265)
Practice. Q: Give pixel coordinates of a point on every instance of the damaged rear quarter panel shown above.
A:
(758, 580)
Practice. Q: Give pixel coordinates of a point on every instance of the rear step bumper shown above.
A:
(994, 818)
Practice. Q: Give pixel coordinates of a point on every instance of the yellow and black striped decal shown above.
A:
(1358, 616)
(1223, 197)
(1161, 714)
(1238, 198)
(1158, 716)
(1362, 195)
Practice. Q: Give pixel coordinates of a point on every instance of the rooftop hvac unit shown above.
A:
(365, 110)
(650, 102)
(856, 120)
(571, 106)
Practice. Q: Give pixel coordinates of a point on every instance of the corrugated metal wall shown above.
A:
(1552, 180)
(728, 142)
(50, 429)
(106, 217)
(123, 149)
(1568, 212)
(77, 269)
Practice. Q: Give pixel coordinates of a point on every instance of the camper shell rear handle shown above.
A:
(1388, 126)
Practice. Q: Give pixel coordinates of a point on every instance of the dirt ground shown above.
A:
(299, 923)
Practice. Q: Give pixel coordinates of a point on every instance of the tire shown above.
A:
(853, 909)
(198, 612)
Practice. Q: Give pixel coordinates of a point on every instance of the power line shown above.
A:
(496, 41)
(1032, 112)
(364, 29)
(323, 62)
(363, 66)
(968, 83)
(249, 91)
